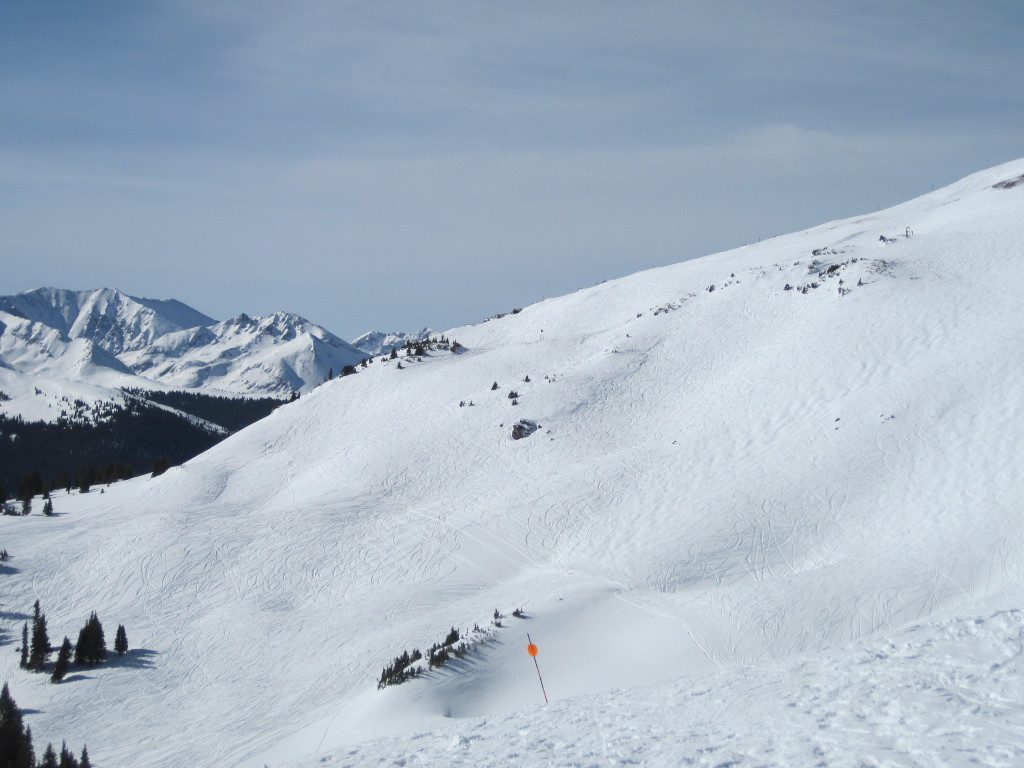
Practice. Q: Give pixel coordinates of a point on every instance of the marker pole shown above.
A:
(532, 650)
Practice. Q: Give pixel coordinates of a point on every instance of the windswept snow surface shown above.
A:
(756, 526)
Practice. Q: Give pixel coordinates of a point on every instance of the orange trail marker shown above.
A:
(532, 650)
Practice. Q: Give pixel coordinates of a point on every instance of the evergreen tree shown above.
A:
(24, 646)
(67, 757)
(85, 479)
(63, 662)
(121, 641)
(84, 762)
(394, 353)
(11, 730)
(40, 644)
(48, 507)
(99, 643)
(92, 647)
(49, 758)
(15, 741)
(82, 646)
(26, 753)
(30, 485)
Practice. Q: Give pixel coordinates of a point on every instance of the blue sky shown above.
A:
(385, 166)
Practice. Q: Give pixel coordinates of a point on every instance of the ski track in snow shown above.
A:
(756, 526)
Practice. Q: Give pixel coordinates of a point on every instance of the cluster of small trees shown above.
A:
(398, 671)
(90, 650)
(32, 484)
(402, 669)
(439, 653)
(500, 315)
(420, 348)
(34, 657)
(29, 486)
(16, 750)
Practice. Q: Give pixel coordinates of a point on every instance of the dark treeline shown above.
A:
(232, 413)
(16, 747)
(118, 443)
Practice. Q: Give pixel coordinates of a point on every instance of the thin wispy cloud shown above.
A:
(435, 163)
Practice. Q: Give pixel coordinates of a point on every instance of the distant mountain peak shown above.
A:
(381, 342)
(166, 341)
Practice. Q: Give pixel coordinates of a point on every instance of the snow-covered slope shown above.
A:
(776, 487)
(105, 337)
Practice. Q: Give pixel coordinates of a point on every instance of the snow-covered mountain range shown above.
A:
(104, 337)
(377, 343)
(770, 516)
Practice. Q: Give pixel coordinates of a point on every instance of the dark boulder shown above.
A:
(523, 428)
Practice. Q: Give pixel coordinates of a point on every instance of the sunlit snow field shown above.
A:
(764, 524)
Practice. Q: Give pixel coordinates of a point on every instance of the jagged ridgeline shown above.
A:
(109, 441)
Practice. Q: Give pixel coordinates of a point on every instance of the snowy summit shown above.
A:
(104, 337)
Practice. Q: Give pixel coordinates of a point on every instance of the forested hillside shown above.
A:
(104, 442)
